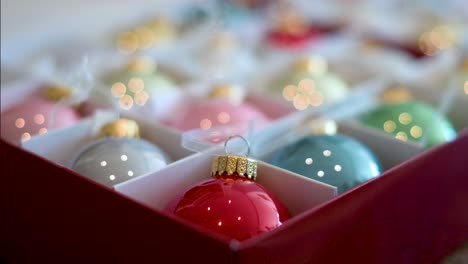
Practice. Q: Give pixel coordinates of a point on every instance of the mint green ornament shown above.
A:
(415, 121)
(331, 87)
(139, 76)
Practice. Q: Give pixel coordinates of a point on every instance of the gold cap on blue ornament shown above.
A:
(121, 128)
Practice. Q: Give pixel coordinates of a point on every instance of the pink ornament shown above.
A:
(35, 116)
(208, 114)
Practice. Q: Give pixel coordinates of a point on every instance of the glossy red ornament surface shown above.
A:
(236, 207)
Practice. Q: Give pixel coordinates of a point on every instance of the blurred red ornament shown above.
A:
(291, 40)
(292, 30)
(232, 203)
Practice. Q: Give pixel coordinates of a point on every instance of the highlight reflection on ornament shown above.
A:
(120, 155)
(232, 203)
(337, 160)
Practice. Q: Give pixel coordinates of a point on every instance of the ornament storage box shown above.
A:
(413, 213)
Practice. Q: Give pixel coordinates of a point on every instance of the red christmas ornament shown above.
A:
(291, 40)
(293, 31)
(232, 203)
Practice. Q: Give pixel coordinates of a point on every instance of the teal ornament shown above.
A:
(415, 121)
(337, 160)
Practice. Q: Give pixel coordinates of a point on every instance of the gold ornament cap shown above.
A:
(323, 126)
(465, 64)
(224, 41)
(233, 164)
(163, 29)
(397, 94)
(141, 65)
(57, 92)
(121, 128)
(312, 64)
(372, 44)
(231, 92)
(289, 21)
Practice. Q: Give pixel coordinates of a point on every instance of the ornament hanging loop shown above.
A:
(247, 143)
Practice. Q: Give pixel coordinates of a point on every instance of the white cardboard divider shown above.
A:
(158, 190)
(63, 145)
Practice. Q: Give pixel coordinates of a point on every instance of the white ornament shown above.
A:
(110, 161)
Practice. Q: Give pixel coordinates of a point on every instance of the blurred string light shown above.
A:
(303, 95)
(38, 119)
(130, 94)
(134, 91)
(439, 38)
